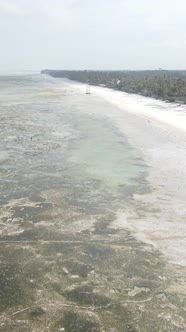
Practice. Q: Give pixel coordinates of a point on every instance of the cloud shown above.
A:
(10, 8)
(92, 33)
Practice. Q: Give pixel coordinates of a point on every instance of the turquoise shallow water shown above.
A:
(103, 153)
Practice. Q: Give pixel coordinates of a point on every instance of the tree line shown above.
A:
(160, 84)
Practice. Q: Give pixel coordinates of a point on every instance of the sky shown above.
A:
(92, 34)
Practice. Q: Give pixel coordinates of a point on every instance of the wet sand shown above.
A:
(72, 257)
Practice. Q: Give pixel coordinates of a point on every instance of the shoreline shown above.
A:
(162, 143)
(141, 105)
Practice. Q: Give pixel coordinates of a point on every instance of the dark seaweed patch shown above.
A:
(32, 213)
(84, 295)
(58, 247)
(99, 252)
(36, 312)
(78, 268)
(73, 322)
(11, 292)
(27, 235)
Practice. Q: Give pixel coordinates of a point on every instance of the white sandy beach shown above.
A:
(158, 130)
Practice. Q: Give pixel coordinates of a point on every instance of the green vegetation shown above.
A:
(160, 84)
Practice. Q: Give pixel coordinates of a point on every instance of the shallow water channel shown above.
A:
(64, 175)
